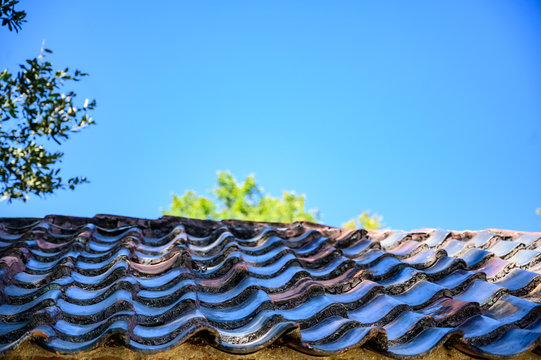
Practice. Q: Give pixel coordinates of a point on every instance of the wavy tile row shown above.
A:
(73, 282)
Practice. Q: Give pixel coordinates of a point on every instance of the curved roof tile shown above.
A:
(324, 290)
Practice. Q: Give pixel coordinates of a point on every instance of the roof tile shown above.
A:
(160, 282)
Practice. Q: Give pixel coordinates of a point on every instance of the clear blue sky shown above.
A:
(427, 112)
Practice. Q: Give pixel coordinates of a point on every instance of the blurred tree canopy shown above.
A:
(34, 111)
(246, 201)
(366, 221)
(243, 201)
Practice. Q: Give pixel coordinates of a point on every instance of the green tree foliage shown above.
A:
(34, 111)
(243, 201)
(367, 221)
(10, 17)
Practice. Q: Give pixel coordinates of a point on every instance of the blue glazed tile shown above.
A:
(513, 342)
(422, 343)
(156, 283)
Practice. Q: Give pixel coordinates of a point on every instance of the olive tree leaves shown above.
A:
(35, 110)
(10, 17)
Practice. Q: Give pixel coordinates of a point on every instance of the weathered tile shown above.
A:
(158, 282)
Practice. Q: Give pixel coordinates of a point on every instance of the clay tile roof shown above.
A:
(70, 283)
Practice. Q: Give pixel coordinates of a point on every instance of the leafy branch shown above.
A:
(10, 17)
(33, 109)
